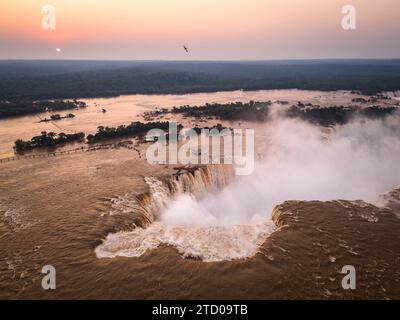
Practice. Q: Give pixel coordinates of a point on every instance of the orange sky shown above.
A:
(212, 29)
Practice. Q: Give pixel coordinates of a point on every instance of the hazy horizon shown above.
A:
(155, 30)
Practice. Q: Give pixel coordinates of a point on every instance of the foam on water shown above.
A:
(180, 218)
(210, 244)
(15, 216)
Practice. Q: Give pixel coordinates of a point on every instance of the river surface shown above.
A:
(77, 212)
(125, 109)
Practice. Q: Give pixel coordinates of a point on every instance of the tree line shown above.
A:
(20, 108)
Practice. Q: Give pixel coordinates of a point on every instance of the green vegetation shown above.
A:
(258, 111)
(47, 140)
(20, 108)
(331, 116)
(218, 127)
(252, 111)
(134, 129)
(22, 82)
(56, 117)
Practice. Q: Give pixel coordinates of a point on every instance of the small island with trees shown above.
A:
(251, 111)
(337, 115)
(259, 111)
(133, 129)
(48, 140)
(56, 117)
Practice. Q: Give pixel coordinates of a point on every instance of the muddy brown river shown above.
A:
(98, 217)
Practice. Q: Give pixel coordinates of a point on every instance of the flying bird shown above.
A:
(186, 49)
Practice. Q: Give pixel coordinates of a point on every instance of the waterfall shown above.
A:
(195, 182)
(196, 235)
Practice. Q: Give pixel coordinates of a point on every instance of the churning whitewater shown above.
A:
(210, 244)
(178, 217)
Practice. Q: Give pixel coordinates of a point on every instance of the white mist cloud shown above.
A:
(359, 160)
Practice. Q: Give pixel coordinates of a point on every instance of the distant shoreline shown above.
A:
(31, 80)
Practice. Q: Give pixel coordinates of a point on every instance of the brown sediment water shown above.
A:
(61, 210)
(125, 109)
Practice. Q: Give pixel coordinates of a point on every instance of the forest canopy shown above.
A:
(22, 81)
